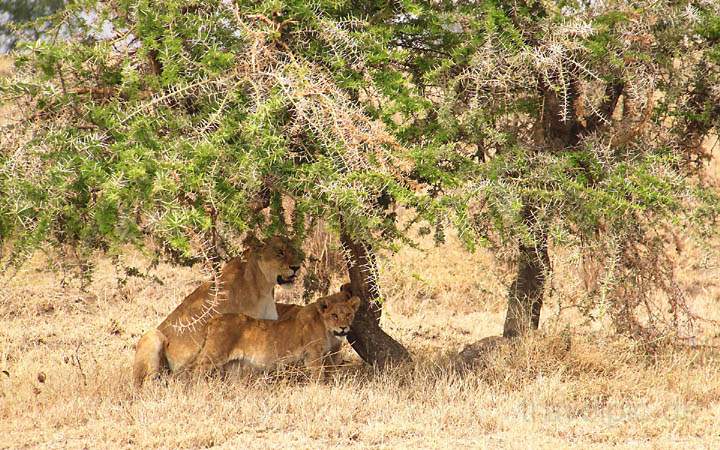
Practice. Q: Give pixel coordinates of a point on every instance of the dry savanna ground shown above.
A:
(66, 353)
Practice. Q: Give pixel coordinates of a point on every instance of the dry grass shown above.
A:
(6, 110)
(5, 65)
(68, 357)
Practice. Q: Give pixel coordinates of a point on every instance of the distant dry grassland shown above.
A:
(66, 358)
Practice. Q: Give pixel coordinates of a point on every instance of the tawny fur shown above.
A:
(306, 336)
(246, 286)
(287, 310)
(149, 356)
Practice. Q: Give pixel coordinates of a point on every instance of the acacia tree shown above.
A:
(176, 125)
(570, 123)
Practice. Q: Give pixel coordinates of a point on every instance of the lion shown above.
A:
(287, 310)
(306, 336)
(246, 285)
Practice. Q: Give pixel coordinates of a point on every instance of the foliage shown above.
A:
(191, 118)
(588, 115)
(188, 118)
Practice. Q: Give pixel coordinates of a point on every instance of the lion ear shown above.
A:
(252, 243)
(355, 303)
(322, 304)
(347, 287)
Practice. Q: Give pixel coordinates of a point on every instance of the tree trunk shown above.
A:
(525, 298)
(557, 129)
(366, 337)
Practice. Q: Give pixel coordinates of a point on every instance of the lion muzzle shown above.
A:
(344, 331)
(289, 279)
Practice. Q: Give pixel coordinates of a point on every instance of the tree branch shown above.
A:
(613, 91)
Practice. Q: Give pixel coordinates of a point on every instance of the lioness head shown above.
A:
(279, 259)
(338, 311)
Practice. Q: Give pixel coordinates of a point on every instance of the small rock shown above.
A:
(471, 353)
(41, 377)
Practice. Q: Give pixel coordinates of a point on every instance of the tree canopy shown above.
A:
(518, 123)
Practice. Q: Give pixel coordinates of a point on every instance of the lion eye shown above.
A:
(334, 316)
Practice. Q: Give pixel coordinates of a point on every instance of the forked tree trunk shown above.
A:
(525, 298)
(556, 131)
(366, 337)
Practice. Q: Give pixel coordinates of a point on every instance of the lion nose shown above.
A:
(295, 268)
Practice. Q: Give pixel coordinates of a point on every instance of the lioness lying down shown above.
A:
(287, 310)
(306, 336)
